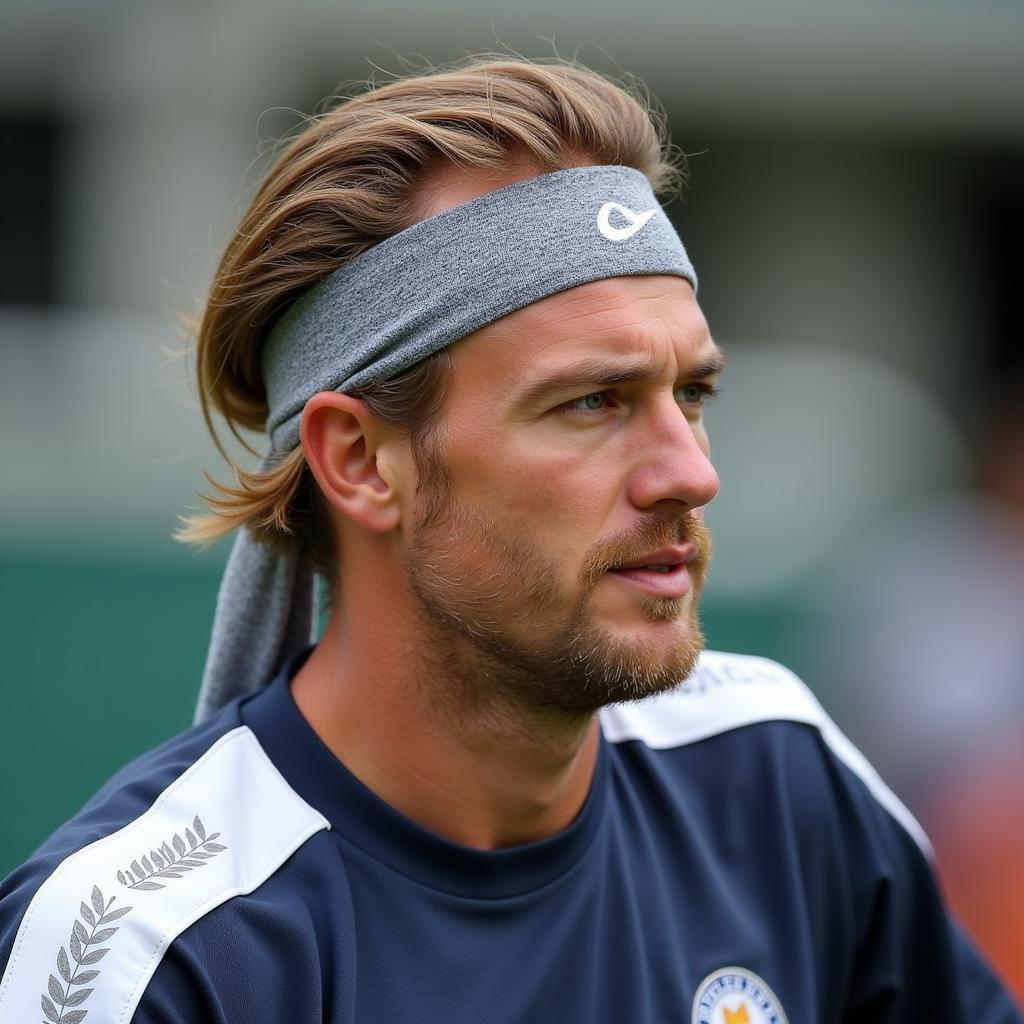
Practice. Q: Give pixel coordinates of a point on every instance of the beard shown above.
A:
(505, 630)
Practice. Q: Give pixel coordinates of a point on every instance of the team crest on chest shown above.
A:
(734, 995)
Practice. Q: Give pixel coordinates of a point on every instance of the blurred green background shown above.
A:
(855, 209)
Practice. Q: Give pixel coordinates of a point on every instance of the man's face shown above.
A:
(573, 456)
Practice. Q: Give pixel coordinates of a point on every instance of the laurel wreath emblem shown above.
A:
(173, 859)
(62, 997)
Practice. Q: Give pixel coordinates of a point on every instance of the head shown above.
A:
(514, 505)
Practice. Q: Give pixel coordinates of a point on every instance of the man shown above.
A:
(506, 784)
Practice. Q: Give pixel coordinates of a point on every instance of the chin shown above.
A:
(649, 618)
(639, 662)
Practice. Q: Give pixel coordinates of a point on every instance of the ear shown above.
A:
(344, 445)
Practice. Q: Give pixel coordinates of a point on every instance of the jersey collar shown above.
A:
(363, 820)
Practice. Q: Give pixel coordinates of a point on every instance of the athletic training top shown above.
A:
(736, 862)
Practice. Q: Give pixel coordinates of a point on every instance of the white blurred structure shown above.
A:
(818, 449)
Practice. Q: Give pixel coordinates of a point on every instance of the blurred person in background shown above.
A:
(507, 783)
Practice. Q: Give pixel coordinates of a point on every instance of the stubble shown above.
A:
(499, 635)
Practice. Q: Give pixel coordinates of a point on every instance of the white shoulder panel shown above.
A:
(724, 691)
(99, 925)
(727, 691)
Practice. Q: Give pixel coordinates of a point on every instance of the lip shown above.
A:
(682, 554)
(674, 583)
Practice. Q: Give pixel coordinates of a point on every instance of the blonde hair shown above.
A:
(348, 180)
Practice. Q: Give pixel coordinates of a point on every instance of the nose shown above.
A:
(671, 462)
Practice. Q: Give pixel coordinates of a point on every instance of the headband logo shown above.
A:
(634, 221)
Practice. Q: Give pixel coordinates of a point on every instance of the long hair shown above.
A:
(350, 178)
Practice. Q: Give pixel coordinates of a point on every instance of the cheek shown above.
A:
(537, 485)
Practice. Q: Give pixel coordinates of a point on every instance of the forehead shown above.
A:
(653, 316)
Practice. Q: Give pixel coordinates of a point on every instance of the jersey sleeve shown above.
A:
(181, 992)
(102, 920)
(913, 962)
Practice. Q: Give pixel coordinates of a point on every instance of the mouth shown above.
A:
(663, 573)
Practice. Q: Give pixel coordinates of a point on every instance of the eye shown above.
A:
(696, 394)
(589, 403)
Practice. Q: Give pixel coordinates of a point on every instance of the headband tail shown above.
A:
(266, 611)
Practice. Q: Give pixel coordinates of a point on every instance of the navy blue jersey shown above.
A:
(736, 862)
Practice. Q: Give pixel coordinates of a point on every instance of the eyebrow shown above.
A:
(603, 373)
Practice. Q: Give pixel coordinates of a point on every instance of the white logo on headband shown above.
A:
(634, 221)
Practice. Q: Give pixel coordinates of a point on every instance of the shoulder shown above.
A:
(730, 692)
(86, 921)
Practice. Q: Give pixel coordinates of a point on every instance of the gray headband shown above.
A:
(408, 297)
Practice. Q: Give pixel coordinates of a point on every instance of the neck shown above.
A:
(433, 735)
